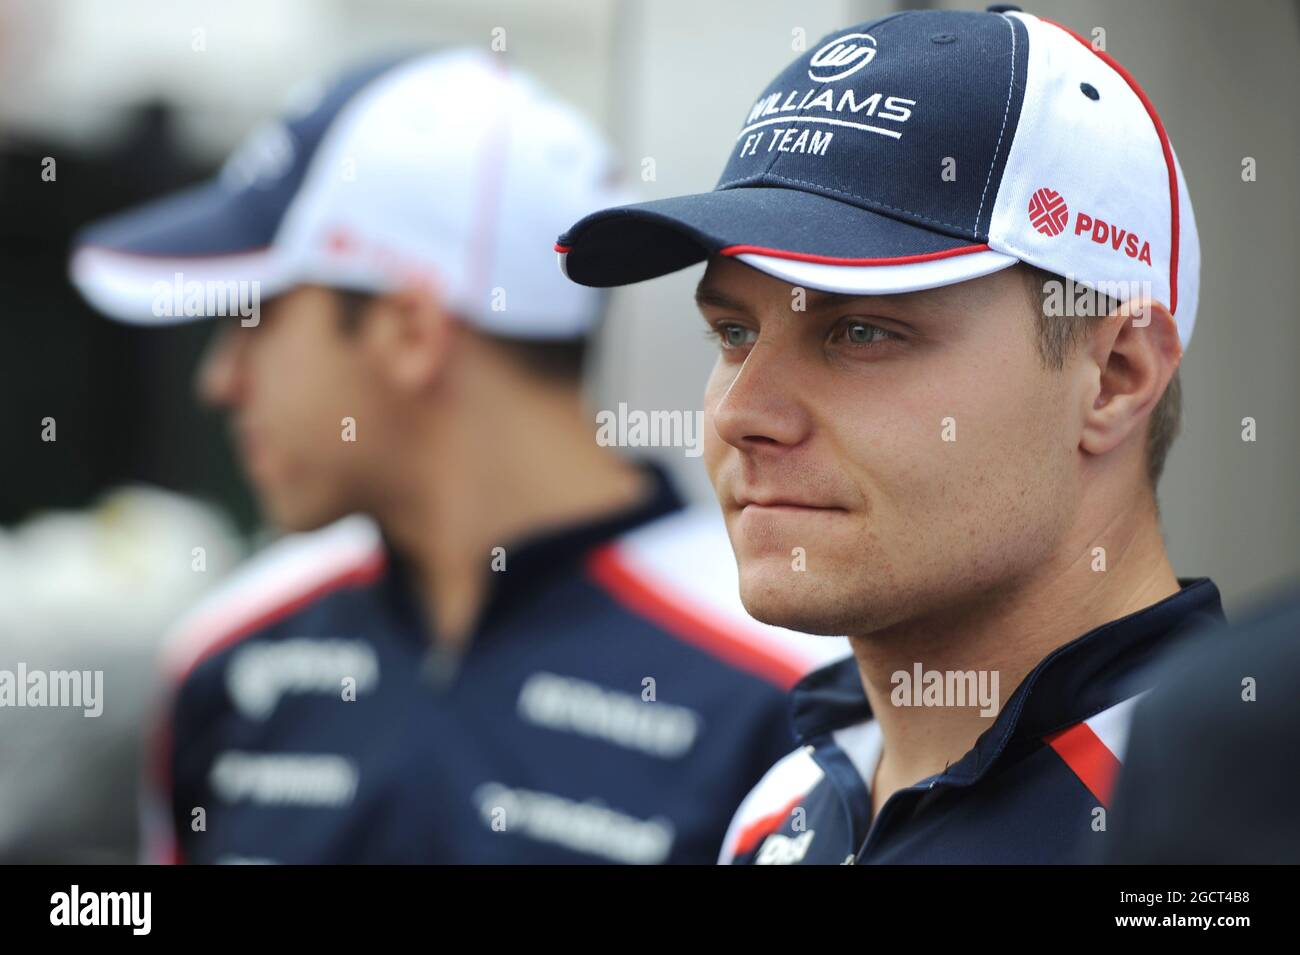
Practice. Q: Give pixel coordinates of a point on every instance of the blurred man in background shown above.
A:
(490, 640)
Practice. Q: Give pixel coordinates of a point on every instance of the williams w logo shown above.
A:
(841, 57)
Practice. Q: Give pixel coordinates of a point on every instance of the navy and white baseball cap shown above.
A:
(923, 149)
(447, 168)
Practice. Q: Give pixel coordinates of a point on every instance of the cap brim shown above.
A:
(138, 266)
(801, 237)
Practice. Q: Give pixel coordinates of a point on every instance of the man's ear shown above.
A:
(1136, 351)
(408, 335)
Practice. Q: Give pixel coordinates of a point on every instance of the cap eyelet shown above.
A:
(944, 38)
(1089, 91)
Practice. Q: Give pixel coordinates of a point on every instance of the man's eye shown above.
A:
(731, 335)
(858, 332)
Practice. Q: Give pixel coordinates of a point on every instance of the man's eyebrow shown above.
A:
(708, 295)
(815, 298)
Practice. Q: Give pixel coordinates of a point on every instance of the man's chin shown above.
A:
(786, 598)
(295, 516)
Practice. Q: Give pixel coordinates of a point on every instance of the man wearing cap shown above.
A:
(952, 267)
(489, 639)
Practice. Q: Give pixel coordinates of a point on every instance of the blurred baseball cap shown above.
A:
(449, 168)
(923, 149)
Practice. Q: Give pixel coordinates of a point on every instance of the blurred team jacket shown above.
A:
(614, 704)
(1035, 788)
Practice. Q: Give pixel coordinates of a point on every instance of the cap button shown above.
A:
(1004, 8)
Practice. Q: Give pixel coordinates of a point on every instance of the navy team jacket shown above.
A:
(1034, 789)
(614, 705)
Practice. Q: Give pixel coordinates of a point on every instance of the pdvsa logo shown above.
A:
(841, 57)
(1049, 214)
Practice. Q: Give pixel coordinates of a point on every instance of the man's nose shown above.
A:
(761, 408)
(217, 381)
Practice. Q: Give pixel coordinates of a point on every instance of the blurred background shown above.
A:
(132, 98)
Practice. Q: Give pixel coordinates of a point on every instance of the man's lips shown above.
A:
(777, 504)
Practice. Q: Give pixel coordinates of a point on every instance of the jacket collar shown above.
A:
(1103, 667)
(536, 561)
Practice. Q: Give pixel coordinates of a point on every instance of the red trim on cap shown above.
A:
(1165, 148)
(831, 260)
(562, 248)
(1088, 758)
